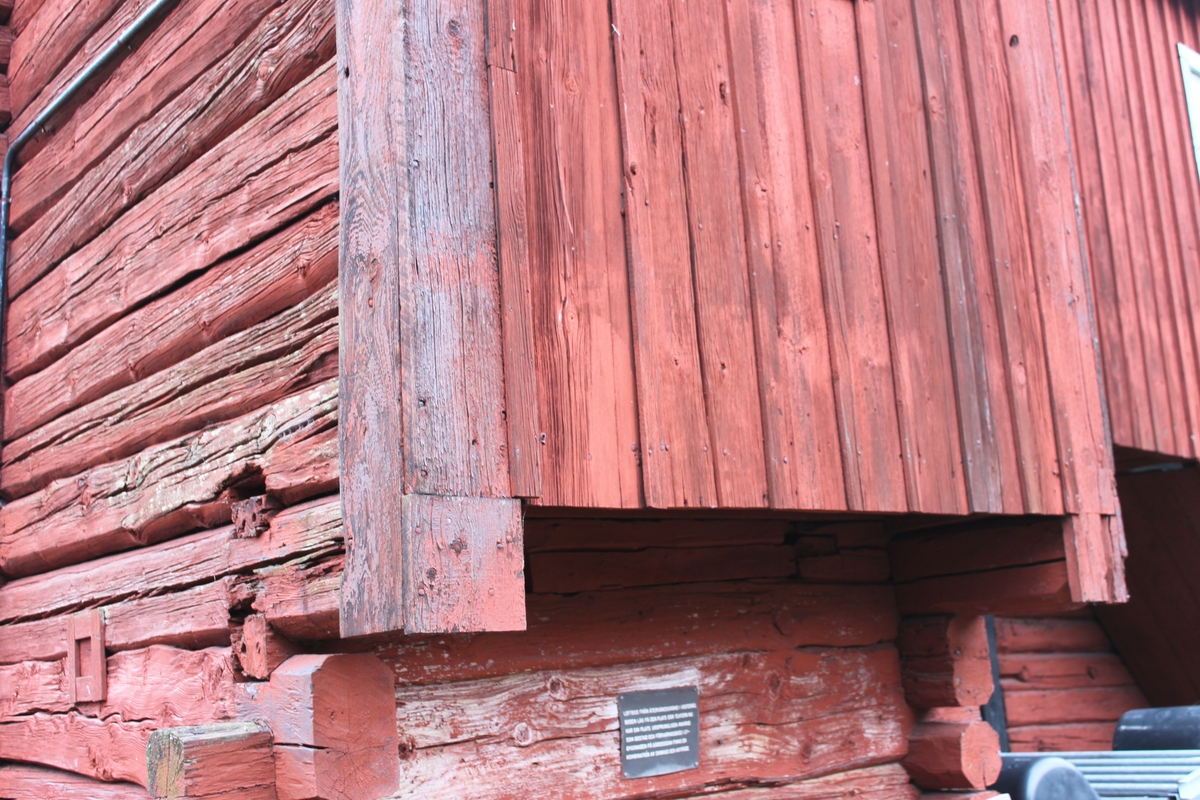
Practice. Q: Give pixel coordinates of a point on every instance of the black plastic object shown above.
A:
(1036, 777)
(1176, 728)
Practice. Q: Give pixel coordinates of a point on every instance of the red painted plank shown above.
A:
(512, 222)
(908, 239)
(576, 239)
(853, 290)
(1163, 229)
(1012, 269)
(716, 229)
(677, 462)
(1140, 268)
(1044, 161)
(803, 457)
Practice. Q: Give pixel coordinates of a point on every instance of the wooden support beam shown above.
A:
(334, 723)
(953, 755)
(945, 661)
(434, 538)
(260, 649)
(210, 760)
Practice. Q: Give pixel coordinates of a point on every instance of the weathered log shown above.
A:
(846, 566)
(260, 649)
(338, 714)
(851, 704)
(1050, 635)
(301, 600)
(886, 782)
(1019, 671)
(308, 528)
(949, 755)
(273, 170)
(581, 571)
(314, 773)
(164, 685)
(26, 782)
(1051, 707)
(288, 44)
(202, 761)
(299, 468)
(6, 43)
(1038, 589)
(197, 617)
(252, 516)
(946, 661)
(171, 58)
(1062, 738)
(975, 547)
(159, 493)
(261, 365)
(605, 628)
(234, 295)
(109, 750)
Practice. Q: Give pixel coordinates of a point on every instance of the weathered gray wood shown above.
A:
(374, 240)
(200, 761)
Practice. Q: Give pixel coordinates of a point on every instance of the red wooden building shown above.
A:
(394, 391)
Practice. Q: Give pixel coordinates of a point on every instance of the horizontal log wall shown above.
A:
(1064, 686)
(1140, 198)
(799, 679)
(169, 450)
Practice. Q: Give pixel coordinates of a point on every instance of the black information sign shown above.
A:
(660, 731)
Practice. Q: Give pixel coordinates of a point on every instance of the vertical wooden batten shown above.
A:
(423, 401)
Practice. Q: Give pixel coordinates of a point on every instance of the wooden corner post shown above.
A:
(433, 532)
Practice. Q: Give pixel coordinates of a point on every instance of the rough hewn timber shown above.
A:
(26, 782)
(945, 661)
(249, 370)
(110, 750)
(201, 761)
(232, 296)
(187, 561)
(950, 755)
(272, 171)
(161, 492)
(290, 42)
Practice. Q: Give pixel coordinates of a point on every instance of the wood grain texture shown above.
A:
(848, 247)
(373, 241)
(274, 171)
(579, 279)
(261, 366)
(451, 352)
(803, 457)
(172, 56)
(716, 235)
(306, 528)
(908, 239)
(232, 296)
(947, 755)
(465, 564)
(180, 486)
(290, 42)
(108, 750)
(25, 782)
(200, 761)
(676, 423)
(945, 661)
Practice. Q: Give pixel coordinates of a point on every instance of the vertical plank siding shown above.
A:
(856, 273)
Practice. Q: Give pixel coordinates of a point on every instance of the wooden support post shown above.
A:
(424, 433)
(211, 760)
(953, 755)
(334, 719)
(945, 661)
